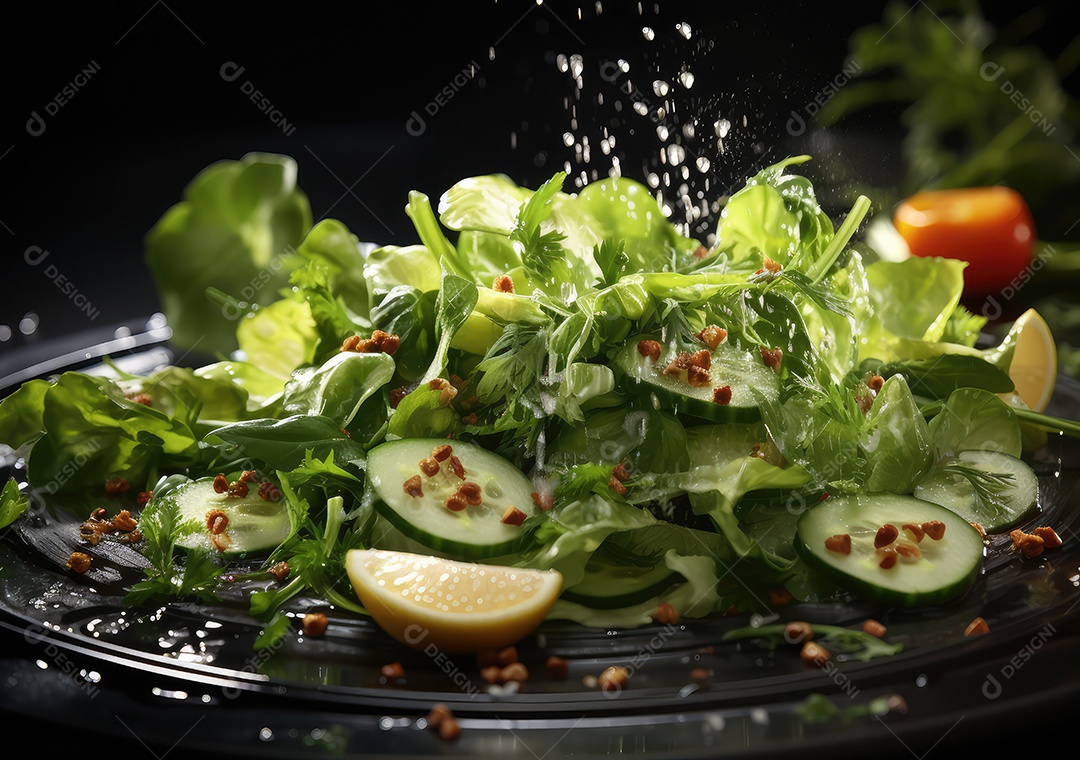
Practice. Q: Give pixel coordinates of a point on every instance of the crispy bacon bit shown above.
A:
(712, 336)
(556, 668)
(144, 497)
(315, 624)
(886, 534)
(915, 531)
(875, 382)
(392, 671)
(701, 252)
(863, 400)
(78, 562)
(455, 502)
(722, 395)
(977, 627)
(697, 376)
(504, 283)
(515, 671)
(249, 476)
(471, 492)
(772, 266)
(702, 358)
(141, 398)
(667, 614)
(449, 730)
(268, 491)
(437, 715)
(221, 483)
(543, 501)
(413, 487)
(387, 343)
(470, 419)
(888, 558)
(350, 343)
(812, 653)
(908, 552)
(116, 485)
(934, 528)
(616, 485)
(874, 628)
(221, 541)
(429, 466)
(1029, 543)
(442, 453)
(133, 537)
(397, 394)
(613, 678)
(446, 394)
(798, 632)
(124, 522)
(456, 466)
(238, 490)
(280, 571)
(487, 657)
(512, 516)
(772, 357)
(620, 472)
(980, 528)
(216, 521)
(650, 349)
(1051, 540)
(699, 675)
(491, 673)
(780, 597)
(840, 543)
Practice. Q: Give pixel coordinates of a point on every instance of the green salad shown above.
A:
(550, 380)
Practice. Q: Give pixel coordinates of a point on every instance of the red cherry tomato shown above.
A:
(989, 227)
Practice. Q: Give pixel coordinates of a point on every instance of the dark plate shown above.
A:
(77, 667)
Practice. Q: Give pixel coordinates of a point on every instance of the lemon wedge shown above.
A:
(1033, 367)
(457, 607)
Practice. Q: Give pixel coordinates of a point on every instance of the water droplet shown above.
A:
(686, 79)
(722, 127)
(684, 29)
(675, 154)
(648, 33)
(577, 65)
(661, 88)
(562, 63)
(568, 139)
(641, 108)
(662, 132)
(703, 164)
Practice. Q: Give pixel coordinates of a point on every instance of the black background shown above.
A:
(347, 79)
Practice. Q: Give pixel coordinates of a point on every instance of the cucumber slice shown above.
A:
(999, 508)
(254, 524)
(943, 570)
(744, 372)
(476, 532)
(611, 586)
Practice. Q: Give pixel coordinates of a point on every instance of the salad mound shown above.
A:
(651, 416)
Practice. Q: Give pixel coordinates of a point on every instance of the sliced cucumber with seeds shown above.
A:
(744, 373)
(923, 570)
(252, 524)
(475, 532)
(994, 489)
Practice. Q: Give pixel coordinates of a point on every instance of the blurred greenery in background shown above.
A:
(978, 103)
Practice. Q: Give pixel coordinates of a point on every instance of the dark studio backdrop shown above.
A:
(117, 107)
